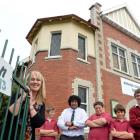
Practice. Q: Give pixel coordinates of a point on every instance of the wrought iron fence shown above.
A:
(18, 87)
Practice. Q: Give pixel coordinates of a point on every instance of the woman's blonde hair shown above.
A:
(41, 95)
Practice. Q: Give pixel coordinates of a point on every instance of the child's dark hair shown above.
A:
(136, 92)
(74, 98)
(98, 103)
(119, 107)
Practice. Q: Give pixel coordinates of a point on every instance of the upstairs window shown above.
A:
(83, 94)
(55, 44)
(81, 48)
(136, 65)
(119, 58)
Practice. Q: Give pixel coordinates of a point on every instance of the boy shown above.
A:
(99, 123)
(49, 130)
(134, 114)
(120, 127)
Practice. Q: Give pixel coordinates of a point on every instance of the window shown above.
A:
(81, 48)
(136, 65)
(34, 50)
(55, 44)
(83, 94)
(119, 58)
(84, 89)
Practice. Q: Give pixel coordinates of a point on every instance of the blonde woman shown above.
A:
(36, 110)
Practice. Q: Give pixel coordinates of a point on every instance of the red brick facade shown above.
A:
(60, 73)
(111, 81)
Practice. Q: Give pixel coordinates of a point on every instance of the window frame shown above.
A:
(50, 47)
(87, 97)
(136, 63)
(119, 58)
(85, 47)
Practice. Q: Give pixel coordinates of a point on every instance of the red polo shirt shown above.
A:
(121, 126)
(99, 133)
(134, 114)
(49, 125)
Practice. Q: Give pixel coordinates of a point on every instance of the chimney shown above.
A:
(95, 11)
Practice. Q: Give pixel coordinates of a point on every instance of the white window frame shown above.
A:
(84, 83)
(55, 56)
(85, 38)
(80, 82)
(137, 64)
(125, 57)
(87, 97)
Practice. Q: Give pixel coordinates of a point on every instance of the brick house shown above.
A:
(118, 40)
(97, 59)
(63, 49)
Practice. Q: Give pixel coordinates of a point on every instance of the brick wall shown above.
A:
(60, 73)
(111, 32)
(111, 81)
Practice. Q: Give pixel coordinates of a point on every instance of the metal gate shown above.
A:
(18, 87)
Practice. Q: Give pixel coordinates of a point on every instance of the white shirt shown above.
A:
(79, 120)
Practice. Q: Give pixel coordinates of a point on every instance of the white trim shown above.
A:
(86, 46)
(122, 29)
(82, 60)
(49, 50)
(87, 96)
(120, 7)
(129, 51)
(114, 9)
(136, 63)
(80, 82)
(125, 57)
(53, 57)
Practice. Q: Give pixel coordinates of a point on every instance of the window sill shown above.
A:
(138, 78)
(53, 57)
(84, 61)
(117, 70)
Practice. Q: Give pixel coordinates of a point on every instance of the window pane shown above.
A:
(82, 94)
(114, 49)
(136, 65)
(115, 61)
(139, 70)
(121, 52)
(135, 69)
(81, 48)
(133, 58)
(119, 58)
(55, 44)
(138, 60)
(123, 64)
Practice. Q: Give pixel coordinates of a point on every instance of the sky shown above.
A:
(18, 16)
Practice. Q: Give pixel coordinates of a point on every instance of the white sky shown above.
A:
(18, 16)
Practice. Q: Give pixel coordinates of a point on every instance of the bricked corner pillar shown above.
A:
(95, 11)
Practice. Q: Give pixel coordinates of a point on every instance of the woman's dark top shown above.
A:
(36, 121)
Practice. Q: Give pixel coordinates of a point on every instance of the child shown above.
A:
(99, 123)
(49, 130)
(120, 127)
